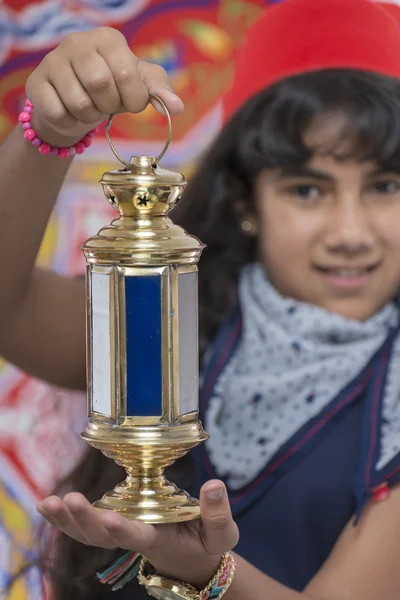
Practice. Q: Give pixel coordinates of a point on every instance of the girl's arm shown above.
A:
(42, 320)
(77, 86)
(364, 565)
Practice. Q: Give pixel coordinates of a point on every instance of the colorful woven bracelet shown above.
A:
(127, 566)
(222, 580)
(30, 135)
(121, 570)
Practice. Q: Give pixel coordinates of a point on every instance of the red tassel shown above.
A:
(381, 492)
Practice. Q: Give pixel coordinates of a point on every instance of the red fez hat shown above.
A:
(299, 36)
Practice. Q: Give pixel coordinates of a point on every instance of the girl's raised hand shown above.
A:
(87, 77)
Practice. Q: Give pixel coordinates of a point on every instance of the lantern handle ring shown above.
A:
(159, 157)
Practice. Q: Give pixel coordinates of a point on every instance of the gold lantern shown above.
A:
(142, 340)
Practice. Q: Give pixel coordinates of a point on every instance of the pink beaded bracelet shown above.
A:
(30, 134)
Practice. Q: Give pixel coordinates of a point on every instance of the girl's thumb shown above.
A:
(220, 532)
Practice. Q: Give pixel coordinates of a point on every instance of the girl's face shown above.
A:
(330, 234)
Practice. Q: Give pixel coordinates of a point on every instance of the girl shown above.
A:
(298, 202)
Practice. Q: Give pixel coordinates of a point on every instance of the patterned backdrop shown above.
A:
(195, 41)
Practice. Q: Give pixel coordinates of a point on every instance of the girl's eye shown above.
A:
(386, 187)
(305, 192)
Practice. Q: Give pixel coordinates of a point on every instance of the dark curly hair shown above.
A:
(267, 132)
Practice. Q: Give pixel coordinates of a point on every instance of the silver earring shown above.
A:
(247, 226)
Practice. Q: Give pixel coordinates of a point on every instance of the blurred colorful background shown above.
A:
(195, 41)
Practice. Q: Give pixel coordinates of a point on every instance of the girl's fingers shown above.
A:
(131, 535)
(49, 105)
(88, 521)
(219, 530)
(75, 517)
(135, 78)
(89, 76)
(73, 95)
(56, 512)
(99, 84)
(123, 66)
(157, 82)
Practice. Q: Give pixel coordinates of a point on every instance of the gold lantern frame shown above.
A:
(143, 242)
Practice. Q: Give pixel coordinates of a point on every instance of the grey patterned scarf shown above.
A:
(291, 361)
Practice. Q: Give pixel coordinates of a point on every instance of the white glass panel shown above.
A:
(101, 368)
(188, 343)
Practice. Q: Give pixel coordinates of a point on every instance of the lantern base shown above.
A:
(145, 451)
(150, 499)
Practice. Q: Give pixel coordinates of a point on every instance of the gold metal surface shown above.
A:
(163, 587)
(142, 240)
(143, 235)
(145, 452)
(159, 157)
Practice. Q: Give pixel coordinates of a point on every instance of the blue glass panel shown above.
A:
(143, 346)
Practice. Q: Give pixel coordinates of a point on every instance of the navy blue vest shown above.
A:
(291, 516)
(289, 531)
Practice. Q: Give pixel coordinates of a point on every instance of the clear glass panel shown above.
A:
(188, 343)
(101, 367)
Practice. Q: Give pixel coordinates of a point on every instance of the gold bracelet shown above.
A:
(214, 590)
(222, 580)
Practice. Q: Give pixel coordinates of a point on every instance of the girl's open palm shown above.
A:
(188, 551)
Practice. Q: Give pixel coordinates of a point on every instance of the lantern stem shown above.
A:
(146, 495)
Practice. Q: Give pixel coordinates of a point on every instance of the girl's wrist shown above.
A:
(46, 138)
(52, 137)
(197, 572)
